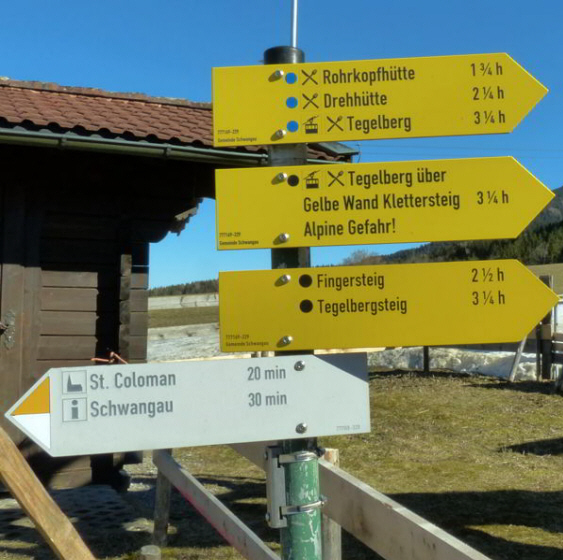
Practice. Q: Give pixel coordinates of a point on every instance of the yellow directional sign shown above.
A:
(388, 305)
(371, 99)
(355, 204)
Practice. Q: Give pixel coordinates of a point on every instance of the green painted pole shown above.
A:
(301, 539)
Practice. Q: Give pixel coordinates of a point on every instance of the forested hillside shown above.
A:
(199, 287)
(540, 243)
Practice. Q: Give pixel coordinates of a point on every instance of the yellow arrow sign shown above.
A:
(355, 204)
(371, 99)
(389, 305)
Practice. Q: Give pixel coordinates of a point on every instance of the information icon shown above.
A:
(75, 410)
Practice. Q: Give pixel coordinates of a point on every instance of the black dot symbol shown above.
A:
(306, 306)
(305, 280)
(293, 180)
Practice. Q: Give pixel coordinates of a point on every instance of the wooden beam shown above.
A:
(138, 347)
(426, 359)
(224, 521)
(388, 528)
(331, 531)
(51, 522)
(139, 301)
(12, 299)
(32, 287)
(161, 507)
(139, 325)
(71, 226)
(70, 347)
(140, 278)
(126, 262)
(546, 335)
(77, 251)
(101, 277)
(516, 361)
(382, 524)
(77, 323)
(69, 299)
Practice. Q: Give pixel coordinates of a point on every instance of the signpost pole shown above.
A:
(301, 538)
(294, 23)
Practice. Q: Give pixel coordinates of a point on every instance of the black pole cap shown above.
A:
(284, 55)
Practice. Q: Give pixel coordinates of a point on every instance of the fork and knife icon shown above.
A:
(310, 100)
(310, 77)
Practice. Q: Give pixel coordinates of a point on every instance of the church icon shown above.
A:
(74, 382)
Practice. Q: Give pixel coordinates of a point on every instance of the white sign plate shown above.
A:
(106, 409)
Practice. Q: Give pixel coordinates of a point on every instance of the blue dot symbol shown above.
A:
(292, 126)
(291, 102)
(291, 78)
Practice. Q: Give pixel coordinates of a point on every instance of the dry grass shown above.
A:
(480, 458)
(184, 316)
(476, 456)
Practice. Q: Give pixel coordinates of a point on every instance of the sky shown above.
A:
(168, 48)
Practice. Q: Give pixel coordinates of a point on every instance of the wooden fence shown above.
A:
(383, 525)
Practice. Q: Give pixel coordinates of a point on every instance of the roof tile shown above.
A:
(46, 104)
(40, 104)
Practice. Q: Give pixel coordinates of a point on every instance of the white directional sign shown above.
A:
(105, 409)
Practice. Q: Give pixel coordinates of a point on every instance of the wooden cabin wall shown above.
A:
(74, 260)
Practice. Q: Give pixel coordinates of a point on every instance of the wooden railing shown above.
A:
(383, 525)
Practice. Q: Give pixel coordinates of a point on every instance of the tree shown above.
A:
(361, 256)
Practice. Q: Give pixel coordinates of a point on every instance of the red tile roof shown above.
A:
(132, 116)
(47, 105)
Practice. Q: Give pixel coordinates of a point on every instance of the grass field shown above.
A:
(476, 456)
(184, 316)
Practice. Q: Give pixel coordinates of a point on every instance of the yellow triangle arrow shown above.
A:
(37, 402)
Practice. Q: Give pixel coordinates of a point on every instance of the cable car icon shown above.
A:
(311, 127)
(311, 182)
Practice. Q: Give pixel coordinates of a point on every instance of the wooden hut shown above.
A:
(88, 180)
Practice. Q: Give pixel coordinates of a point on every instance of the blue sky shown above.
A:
(168, 47)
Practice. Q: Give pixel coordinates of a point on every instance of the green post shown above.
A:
(301, 539)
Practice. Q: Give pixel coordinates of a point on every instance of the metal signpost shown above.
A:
(434, 304)
(294, 308)
(394, 202)
(295, 481)
(287, 103)
(371, 99)
(83, 411)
